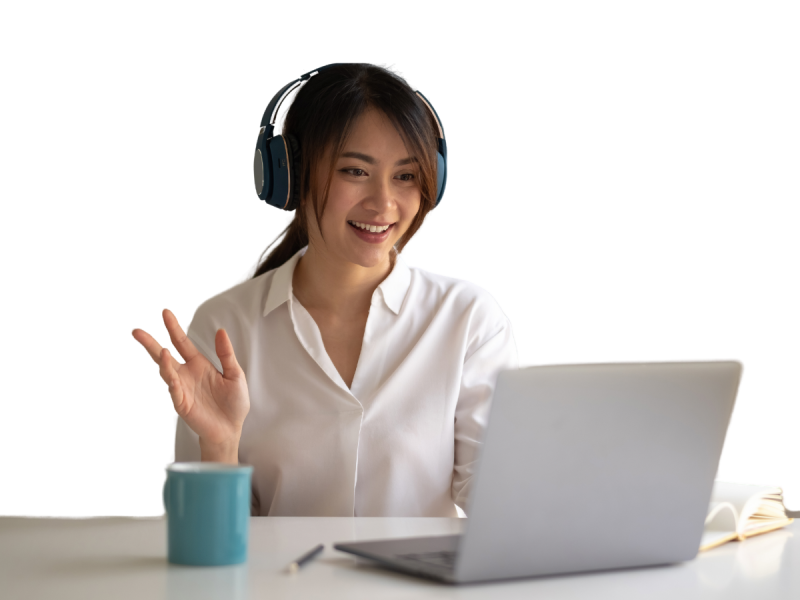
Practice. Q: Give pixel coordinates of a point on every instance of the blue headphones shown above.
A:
(273, 166)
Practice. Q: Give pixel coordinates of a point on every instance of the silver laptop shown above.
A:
(584, 468)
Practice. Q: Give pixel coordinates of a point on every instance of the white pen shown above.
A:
(295, 566)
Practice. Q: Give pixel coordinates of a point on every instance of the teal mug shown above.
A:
(208, 513)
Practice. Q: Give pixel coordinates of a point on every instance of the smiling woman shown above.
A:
(323, 115)
(353, 383)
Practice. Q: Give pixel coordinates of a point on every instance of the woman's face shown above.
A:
(374, 194)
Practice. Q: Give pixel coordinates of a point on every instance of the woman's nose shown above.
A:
(382, 193)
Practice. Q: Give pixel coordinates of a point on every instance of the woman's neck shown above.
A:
(322, 282)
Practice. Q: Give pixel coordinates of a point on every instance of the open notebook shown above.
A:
(738, 511)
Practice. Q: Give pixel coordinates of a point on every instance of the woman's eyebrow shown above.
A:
(371, 161)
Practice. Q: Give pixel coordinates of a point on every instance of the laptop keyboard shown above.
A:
(439, 559)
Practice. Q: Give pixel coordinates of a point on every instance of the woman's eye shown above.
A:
(354, 172)
(406, 177)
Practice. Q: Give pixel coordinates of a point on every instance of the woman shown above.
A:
(353, 384)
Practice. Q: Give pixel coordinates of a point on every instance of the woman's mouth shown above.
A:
(372, 233)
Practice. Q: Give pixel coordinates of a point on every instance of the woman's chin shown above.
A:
(371, 257)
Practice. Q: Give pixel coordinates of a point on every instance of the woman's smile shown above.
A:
(372, 233)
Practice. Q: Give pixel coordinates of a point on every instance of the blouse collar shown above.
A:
(393, 289)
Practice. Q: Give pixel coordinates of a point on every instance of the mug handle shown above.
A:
(165, 495)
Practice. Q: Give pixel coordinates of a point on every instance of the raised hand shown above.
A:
(213, 404)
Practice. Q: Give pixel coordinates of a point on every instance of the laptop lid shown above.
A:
(589, 467)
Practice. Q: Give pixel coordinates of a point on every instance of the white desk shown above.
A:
(126, 558)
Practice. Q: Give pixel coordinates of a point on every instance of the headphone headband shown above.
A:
(268, 120)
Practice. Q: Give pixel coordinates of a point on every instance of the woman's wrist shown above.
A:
(224, 452)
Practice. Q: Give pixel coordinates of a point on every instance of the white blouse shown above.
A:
(404, 438)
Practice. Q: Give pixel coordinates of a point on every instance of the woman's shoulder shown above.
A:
(235, 310)
(458, 294)
(244, 301)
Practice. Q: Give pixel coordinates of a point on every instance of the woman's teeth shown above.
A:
(370, 228)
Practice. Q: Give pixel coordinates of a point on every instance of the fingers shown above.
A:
(179, 339)
(149, 344)
(170, 376)
(154, 350)
(224, 348)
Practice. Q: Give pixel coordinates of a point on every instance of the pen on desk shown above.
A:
(293, 568)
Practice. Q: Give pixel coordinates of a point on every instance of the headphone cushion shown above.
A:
(294, 171)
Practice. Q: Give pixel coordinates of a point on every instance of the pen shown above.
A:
(295, 566)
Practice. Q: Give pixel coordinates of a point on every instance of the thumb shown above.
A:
(224, 348)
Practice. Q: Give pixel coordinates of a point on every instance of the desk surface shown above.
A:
(126, 558)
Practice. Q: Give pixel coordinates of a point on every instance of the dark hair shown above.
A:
(321, 116)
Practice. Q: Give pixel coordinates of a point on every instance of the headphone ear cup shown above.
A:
(294, 171)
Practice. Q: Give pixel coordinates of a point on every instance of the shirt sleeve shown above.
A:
(479, 376)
